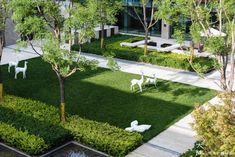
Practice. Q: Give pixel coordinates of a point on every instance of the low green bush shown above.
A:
(215, 127)
(173, 60)
(196, 151)
(34, 127)
(102, 136)
(22, 139)
(34, 118)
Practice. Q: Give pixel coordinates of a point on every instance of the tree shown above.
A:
(107, 11)
(205, 15)
(44, 21)
(157, 8)
(3, 17)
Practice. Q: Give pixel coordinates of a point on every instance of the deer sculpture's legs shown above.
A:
(9, 68)
(140, 87)
(15, 75)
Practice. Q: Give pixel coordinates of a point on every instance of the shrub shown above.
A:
(35, 127)
(103, 136)
(22, 139)
(196, 151)
(173, 60)
(35, 118)
(215, 127)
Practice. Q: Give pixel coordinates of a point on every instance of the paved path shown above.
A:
(178, 137)
(181, 76)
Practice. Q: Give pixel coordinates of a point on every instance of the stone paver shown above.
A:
(174, 140)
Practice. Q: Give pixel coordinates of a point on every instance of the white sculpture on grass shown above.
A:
(11, 64)
(138, 128)
(138, 82)
(20, 69)
(150, 80)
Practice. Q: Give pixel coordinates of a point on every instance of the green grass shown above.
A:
(105, 96)
(165, 59)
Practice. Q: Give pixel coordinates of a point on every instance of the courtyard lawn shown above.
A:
(105, 96)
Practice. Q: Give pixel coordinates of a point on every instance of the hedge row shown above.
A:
(173, 60)
(103, 136)
(22, 139)
(34, 127)
(33, 118)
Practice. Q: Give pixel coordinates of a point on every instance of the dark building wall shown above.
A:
(128, 22)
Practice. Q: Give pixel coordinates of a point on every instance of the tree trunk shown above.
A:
(102, 36)
(62, 98)
(2, 39)
(231, 79)
(146, 42)
(223, 61)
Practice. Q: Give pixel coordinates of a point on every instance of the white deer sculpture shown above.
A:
(150, 80)
(11, 64)
(138, 82)
(20, 69)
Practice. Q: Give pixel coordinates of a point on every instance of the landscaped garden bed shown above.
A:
(34, 127)
(102, 96)
(166, 59)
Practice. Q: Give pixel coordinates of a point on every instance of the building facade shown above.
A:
(128, 21)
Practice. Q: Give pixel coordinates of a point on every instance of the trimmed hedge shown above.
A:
(173, 60)
(103, 136)
(30, 118)
(22, 139)
(34, 127)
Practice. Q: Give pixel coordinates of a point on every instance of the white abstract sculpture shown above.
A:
(11, 64)
(138, 128)
(138, 82)
(20, 69)
(150, 80)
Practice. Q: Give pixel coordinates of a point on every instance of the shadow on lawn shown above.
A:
(116, 107)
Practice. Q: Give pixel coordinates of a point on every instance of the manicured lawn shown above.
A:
(105, 96)
(165, 59)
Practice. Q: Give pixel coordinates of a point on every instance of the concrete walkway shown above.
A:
(177, 138)
(211, 81)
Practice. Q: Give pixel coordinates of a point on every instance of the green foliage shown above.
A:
(107, 11)
(22, 139)
(25, 125)
(196, 151)
(215, 45)
(103, 136)
(64, 62)
(3, 14)
(165, 59)
(215, 127)
(34, 127)
(83, 20)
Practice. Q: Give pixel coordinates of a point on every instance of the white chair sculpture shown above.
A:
(138, 128)
(150, 80)
(11, 64)
(138, 82)
(20, 69)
